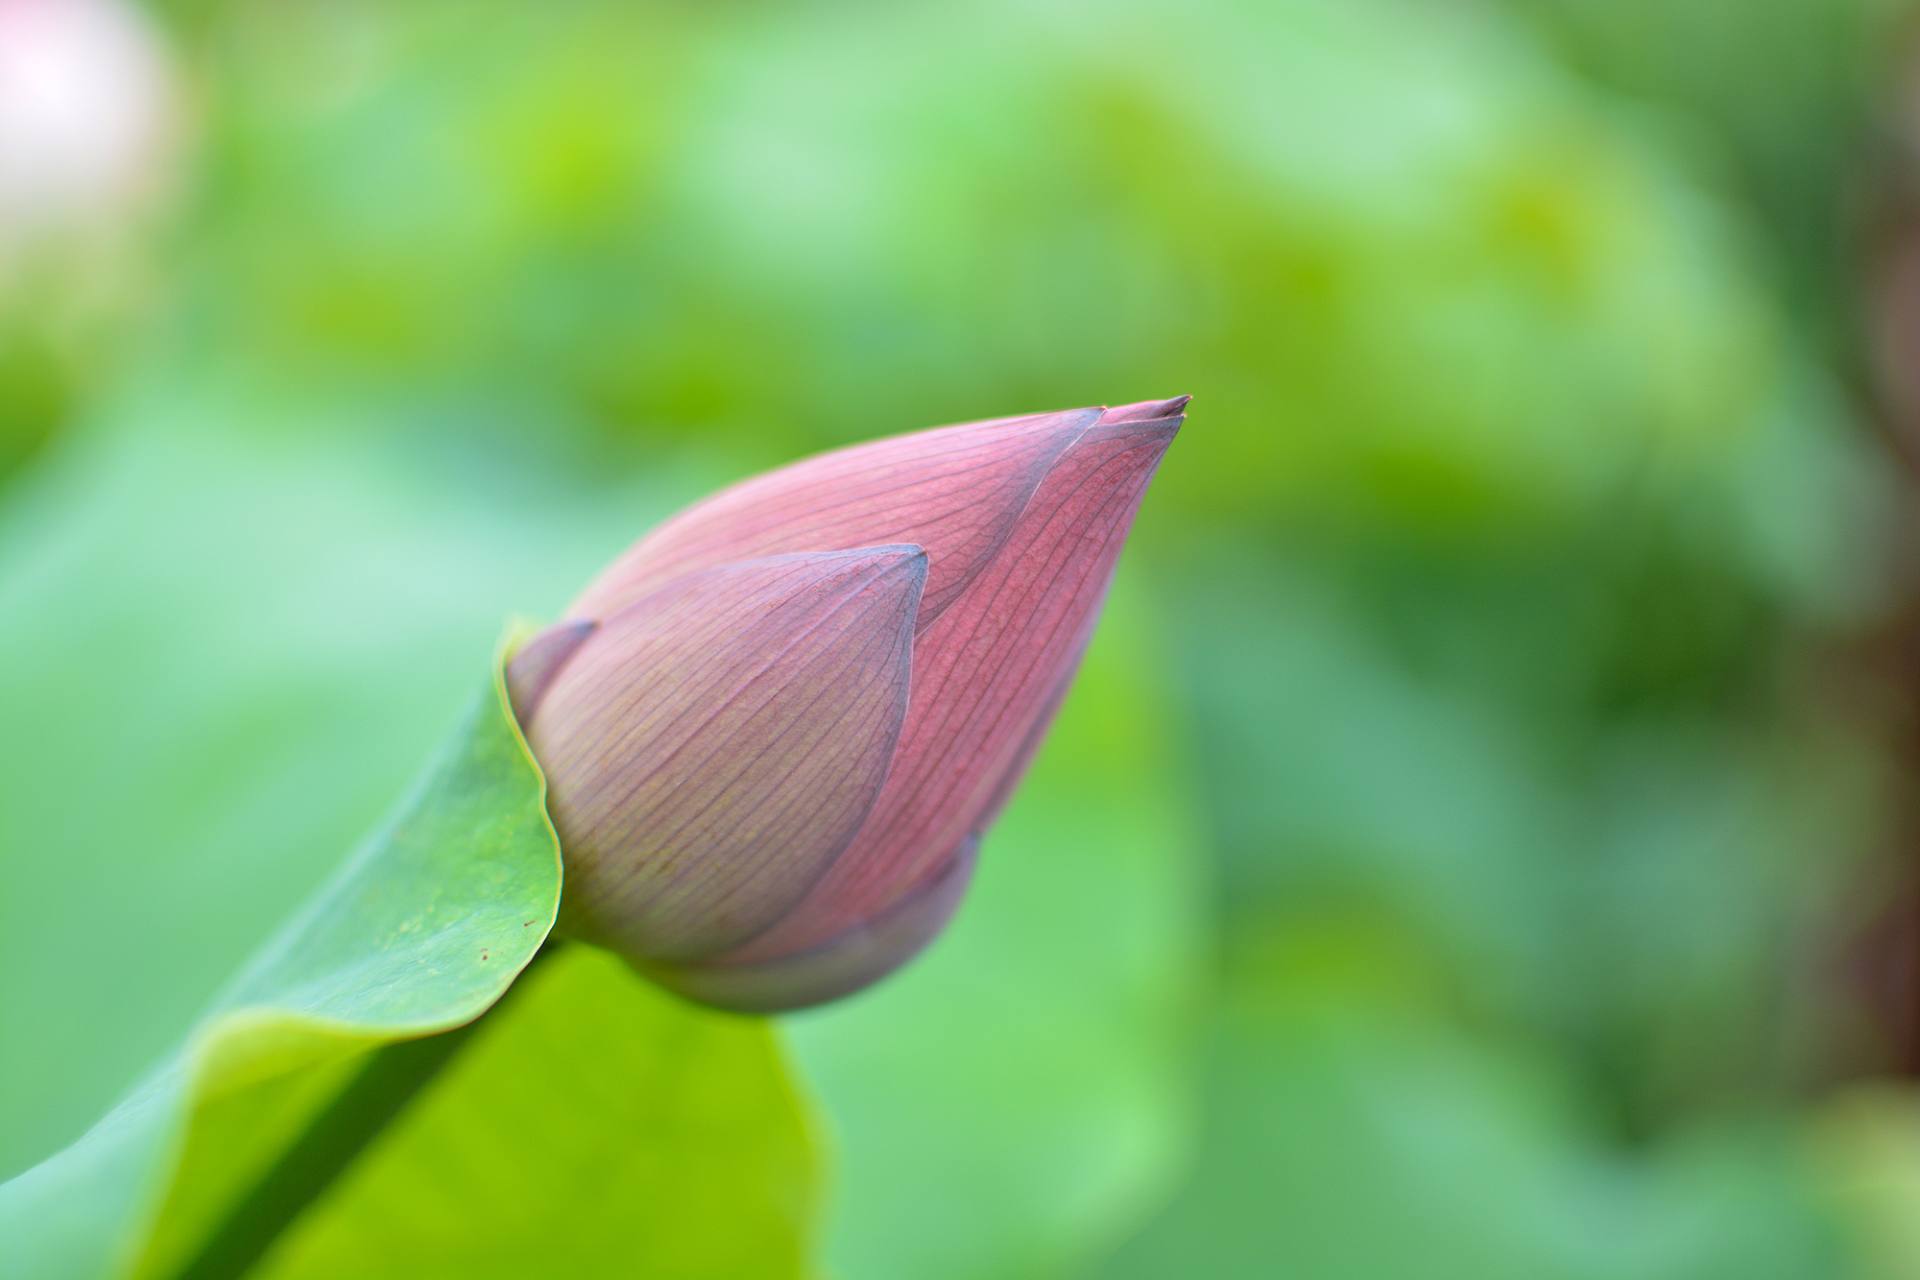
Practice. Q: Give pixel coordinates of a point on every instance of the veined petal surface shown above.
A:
(956, 491)
(713, 746)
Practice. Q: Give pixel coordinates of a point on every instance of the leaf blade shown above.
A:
(421, 931)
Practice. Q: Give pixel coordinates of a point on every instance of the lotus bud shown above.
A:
(775, 729)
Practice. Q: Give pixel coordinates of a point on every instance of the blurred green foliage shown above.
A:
(1495, 603)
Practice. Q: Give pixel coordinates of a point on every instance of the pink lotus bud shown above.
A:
(775, 729)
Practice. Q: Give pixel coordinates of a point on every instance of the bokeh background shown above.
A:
(1484, 843)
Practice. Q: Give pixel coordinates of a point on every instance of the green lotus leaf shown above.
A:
(588, 1100)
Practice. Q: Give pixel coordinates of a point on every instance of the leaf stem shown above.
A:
(333, 1139)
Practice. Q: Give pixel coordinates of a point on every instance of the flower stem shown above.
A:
(333, 1139)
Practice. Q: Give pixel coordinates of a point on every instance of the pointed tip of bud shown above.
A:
(1149, 425)
(1147, 411)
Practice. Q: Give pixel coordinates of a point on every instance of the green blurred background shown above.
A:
(1511, 683)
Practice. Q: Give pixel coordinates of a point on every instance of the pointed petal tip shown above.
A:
(1147, 411)
(896, 571)
(1149, 423)
(906, 559)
